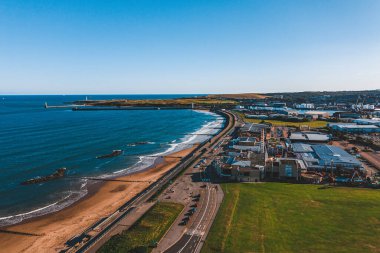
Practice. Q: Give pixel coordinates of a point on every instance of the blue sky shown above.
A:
(185, 46)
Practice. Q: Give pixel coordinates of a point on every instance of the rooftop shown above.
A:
(251, 127)
(375, 122)
(355, 126)
(309, 136)
(324, 155)
(247, 139)
(242, 163)
(328, 154)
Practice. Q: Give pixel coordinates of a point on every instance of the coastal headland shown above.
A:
(204, 102)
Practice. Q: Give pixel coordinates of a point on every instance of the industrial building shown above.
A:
(314, 115)
(347, 115)
(251, 128)
(304, 106)
(354, 128)
(375, 122)
(247, 141)
(244, 156)
(233, 169)
(246, 144)
(309, 137)
(286, 168)
(324, 157)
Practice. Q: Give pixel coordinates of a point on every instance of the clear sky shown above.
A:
(186, 46)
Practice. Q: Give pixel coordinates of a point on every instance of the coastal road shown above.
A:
(190, 241)
(191, 238)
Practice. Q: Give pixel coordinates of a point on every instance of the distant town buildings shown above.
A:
(363, 107)
(304, 106)
(374, 121)
(301, 155)
(353, 128)
(317, 115)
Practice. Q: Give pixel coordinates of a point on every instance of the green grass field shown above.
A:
(149, 229)
(279, 217)
(311, 124)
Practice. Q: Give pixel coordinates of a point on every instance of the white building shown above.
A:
(363, 107)
(304, 106)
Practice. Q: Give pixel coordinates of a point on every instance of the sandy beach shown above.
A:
(50, 232)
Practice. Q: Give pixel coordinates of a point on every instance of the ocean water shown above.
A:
(36, 142)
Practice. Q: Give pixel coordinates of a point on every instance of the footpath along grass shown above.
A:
(279, 217)
(150, 228)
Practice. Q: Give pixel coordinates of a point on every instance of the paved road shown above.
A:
(190, 241)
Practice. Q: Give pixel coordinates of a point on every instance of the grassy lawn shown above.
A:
(278, 217)
(150, 228)
(311, 124)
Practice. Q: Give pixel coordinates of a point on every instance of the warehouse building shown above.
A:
(324, 157)
(253, 128)
(285, 168)
(310, 137)
(354, 128)
(316, 115)
(234, 169)
(375, 122)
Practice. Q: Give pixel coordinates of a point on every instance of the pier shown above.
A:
(58, 106)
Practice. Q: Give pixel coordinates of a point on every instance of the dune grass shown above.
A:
(146, 232)
(279, 217)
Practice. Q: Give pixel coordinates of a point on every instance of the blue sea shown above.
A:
(35, 141)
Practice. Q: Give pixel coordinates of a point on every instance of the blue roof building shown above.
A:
(354, 128)
(318, 157)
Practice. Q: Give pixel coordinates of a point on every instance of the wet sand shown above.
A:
(50, 232)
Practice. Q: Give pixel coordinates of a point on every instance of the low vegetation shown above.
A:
(143, 236)
(311, 124)
(279, 217)
(240, 96)
(202, 101)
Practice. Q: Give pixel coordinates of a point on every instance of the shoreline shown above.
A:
(91, 186)
(51, 231)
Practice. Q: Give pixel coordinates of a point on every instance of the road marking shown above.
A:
(212, 216)
(208, 198)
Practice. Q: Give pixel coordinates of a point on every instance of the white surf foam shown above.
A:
(69, 198)
(178, 145)
(143, 163)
